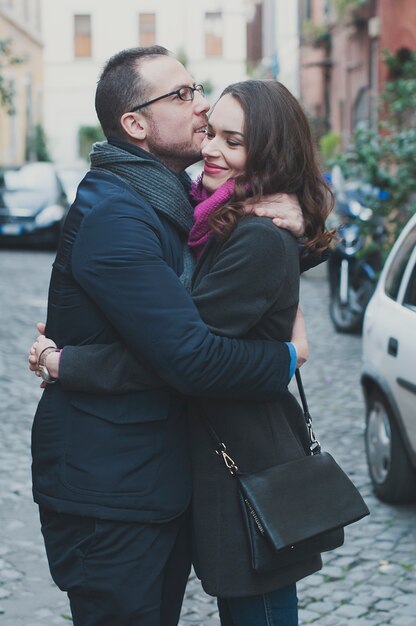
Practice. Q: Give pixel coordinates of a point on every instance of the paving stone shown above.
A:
(407, 609)
(363, 621)
(407, 599)
(329, 620)
(350, 610)
(340, 596)
(307, 617)
(385, 605)
(320, 607)
(402, 620)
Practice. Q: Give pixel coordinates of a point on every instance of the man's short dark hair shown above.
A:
(120, 87)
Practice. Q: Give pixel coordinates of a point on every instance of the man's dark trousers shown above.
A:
(147, 566)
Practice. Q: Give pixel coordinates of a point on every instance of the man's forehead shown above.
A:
(165, 73)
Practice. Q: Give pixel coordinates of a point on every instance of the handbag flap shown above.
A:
(298, 500)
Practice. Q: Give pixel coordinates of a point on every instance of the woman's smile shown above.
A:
(213, 168)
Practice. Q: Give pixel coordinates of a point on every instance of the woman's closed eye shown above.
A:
(233, 143)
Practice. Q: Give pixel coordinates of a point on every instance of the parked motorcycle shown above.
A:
(353, 265)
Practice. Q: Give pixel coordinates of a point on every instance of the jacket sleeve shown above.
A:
(106, 369)
(309, 259)
(118, 261)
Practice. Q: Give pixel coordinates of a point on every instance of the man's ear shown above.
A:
(134, 125)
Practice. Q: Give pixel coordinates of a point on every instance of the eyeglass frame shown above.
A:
(198, 88)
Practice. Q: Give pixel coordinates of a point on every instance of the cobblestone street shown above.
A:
(370, 581)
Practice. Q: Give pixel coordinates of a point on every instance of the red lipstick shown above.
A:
(212, 168)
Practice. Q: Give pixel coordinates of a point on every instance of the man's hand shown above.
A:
(283, 208)
(299, 338)
(39, 345)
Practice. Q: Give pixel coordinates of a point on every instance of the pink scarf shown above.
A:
(207, 204)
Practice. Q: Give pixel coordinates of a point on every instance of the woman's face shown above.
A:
(223, 149)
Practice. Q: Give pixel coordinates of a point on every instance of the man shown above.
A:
(111, 473)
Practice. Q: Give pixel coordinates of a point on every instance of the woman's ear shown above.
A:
(134, 126)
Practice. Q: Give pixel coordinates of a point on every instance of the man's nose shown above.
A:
(201, 104)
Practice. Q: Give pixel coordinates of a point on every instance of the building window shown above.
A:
(147, 29)
(213, 34)
(82, 35)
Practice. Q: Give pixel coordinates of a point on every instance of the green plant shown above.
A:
(342, 7)
(36, 147)
(314, 34)
(7, 60)
(385, 156)
(329, 145)
(87, 135)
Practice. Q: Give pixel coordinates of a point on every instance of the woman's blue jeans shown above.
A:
(277, 608)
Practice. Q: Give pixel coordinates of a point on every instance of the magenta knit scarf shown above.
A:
(207, 204)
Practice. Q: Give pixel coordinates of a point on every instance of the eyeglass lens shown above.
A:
(188, 93)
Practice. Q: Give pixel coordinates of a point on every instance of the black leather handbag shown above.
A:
(297, 509)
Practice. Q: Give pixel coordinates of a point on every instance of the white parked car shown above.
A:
(389, 374)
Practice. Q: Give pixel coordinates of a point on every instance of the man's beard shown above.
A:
(176, 156)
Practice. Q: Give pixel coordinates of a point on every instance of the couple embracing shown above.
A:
(172, 305)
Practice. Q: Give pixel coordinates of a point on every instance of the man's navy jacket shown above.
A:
(115, 277)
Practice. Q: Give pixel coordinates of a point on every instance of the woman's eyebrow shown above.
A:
(228, 132)
(233, 132)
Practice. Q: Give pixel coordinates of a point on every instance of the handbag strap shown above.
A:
(221, 449)
(314, 444)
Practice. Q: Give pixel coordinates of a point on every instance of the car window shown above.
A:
(410, 295)
(395, 273)
(28, 177)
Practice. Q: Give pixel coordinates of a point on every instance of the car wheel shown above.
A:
(392, 475)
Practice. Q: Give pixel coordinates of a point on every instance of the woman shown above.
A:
(246, 284)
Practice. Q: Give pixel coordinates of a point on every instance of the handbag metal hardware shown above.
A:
(314, 445)
(229, 463)
(221, 450)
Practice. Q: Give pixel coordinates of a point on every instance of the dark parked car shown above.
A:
(33, 205)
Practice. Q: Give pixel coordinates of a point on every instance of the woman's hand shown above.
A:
(283, 208)
(299, 338)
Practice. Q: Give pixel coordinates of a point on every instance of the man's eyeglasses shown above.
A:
(183, 93)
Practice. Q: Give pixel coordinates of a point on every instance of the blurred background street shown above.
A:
(370, 581)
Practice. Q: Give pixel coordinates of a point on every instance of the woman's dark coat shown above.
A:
(247, 287)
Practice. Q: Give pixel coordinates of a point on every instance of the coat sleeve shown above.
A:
(106, 369)
(118, 261)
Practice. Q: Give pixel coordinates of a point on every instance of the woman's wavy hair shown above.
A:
(281, 158)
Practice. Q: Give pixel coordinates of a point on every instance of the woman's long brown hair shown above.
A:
(281, 158)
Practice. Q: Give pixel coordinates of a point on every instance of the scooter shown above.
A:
(352, 271)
